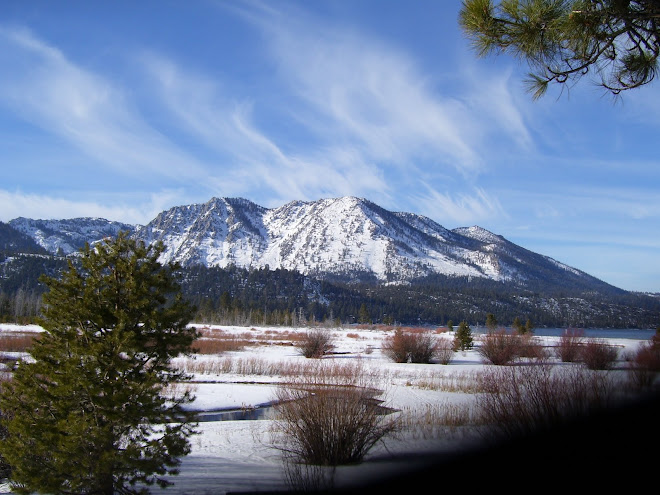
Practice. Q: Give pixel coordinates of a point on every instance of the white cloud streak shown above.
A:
(462, 208)
(14, 204)
(44, 87)
(375, 122)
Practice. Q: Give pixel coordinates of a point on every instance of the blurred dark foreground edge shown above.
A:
(614, 449)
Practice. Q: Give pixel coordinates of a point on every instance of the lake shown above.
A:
(601, 333)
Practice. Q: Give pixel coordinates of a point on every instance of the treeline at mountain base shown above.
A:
(241, 296)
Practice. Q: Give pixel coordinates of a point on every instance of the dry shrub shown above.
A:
(218, 346)
(568, 347)
(217, 341)
(229, 365)
(284, 335)
(17, 341)
(409, 347)
(519, 400)
(316, 343)
(532, 348)
(645, 364)
(596, 354)
(444, 351)
(499, 347)
(327, 421)
(465, 382)
(435, 420)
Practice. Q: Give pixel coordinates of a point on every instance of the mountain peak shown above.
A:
(479, 234)
(348, 237)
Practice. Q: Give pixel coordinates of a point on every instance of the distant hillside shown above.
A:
(337, 258)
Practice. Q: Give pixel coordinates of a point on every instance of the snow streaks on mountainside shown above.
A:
(348, 238)
(344, 237)
(67, 236)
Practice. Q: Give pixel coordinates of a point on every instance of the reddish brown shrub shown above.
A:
(218, 341)
(596, 354)
(531, 347)
(444, 350)
(518, 400)
(409, 347)
(568, 348)
(17, 341)
(645, 364)
(315, 343)
(499, 347)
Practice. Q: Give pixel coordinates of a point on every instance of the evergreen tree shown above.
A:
(517, 324)
(491, 321)
(363, 314)
(91, 413)
(617, 42)
(528, 326)
(463, 340)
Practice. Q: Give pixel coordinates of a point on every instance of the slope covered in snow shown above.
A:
(347, 238)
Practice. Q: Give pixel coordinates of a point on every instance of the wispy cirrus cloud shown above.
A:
(127, 208)
(463, 208)
(368, 95)
(88, 111)
(351, 116)
(254, 160)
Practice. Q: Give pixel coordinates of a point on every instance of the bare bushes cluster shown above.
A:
(316, 343)
(229, 365)
(251, 365)
(444, 350)
(645, 363)
(410, 347)
(500, 347)
(218, 341)
(437, 420)
(17, 341)
(518, 400)
(568, 347)
(465, 382)
(330, 419)
(595, 354)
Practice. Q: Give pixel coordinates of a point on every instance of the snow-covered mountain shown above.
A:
(344, 237)
(349, 238)
(68, 236)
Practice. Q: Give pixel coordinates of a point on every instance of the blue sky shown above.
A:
(122, 109)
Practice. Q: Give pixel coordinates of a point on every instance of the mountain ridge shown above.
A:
(345, 238)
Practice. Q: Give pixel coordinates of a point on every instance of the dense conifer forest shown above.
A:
(243, 296)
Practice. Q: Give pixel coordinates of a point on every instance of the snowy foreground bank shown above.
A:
(238, 455)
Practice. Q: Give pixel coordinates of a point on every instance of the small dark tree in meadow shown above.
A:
(518, 326)
(463, 339)
(90, 414)
(491, 322)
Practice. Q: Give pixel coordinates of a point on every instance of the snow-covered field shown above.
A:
(239, 455)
